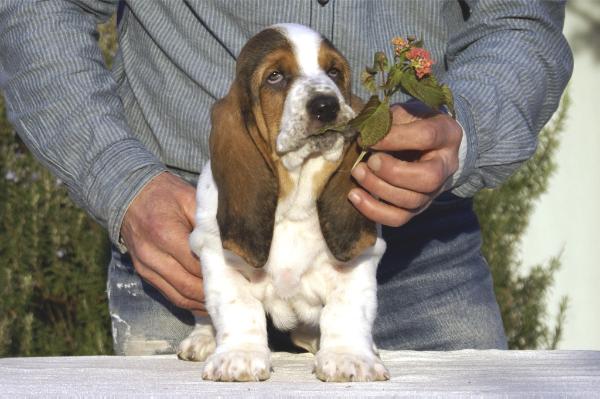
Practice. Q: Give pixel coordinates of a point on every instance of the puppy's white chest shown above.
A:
(296, 283)
(297, 247)
(300, 269)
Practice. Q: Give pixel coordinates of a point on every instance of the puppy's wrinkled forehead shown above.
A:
(306, 45)
(304, 48)
(258, 48)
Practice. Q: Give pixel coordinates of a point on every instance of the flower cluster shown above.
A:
(409, 72)
(417, 57)
(420, 60)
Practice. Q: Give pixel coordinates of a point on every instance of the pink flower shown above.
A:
(420, 60)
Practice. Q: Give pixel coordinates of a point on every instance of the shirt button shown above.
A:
(323, 3)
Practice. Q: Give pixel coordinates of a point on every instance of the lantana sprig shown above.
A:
(410, 73)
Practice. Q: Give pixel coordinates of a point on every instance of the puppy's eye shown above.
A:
(333, 73)
(275, 77)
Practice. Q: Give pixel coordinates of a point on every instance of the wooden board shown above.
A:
(426, 374)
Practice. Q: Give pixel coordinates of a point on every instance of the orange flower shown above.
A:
(399, 45)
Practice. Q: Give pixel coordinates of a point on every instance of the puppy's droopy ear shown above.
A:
(245, 179)
(347, 232)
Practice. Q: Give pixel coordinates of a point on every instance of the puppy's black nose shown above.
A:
(324, 108)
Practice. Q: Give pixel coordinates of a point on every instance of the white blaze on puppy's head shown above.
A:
(306, 44)
(318, 96)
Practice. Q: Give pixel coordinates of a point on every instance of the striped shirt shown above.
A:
(106, 134)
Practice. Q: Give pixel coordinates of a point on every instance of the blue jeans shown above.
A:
(434, 289)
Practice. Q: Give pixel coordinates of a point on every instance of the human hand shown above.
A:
(396, 190)
(155, 230)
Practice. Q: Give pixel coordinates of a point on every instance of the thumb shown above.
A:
(188, 205)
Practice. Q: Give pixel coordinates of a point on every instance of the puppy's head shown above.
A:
(296, 82)
(290, 82)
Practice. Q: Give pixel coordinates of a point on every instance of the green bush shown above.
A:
(53, 261)
(53, 257)
(504, 216)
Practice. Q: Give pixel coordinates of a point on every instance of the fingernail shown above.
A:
(353, 197)
(374, 163)
(359, 172)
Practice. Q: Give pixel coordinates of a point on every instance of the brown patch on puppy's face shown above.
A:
(264, 54)
(272, 81)
(266, 69)
(336, 67)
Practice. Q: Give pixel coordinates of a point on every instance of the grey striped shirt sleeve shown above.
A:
(508, 65)
(62, 101)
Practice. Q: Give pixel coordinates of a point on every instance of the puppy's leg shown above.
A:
(242, 352)
(200, 343)
(346, 351)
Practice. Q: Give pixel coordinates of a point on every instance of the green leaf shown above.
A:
(426, 90)
(365, 113)
(373, 122)
(449, 99)
(333, 128)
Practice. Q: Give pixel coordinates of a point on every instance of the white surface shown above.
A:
(426, 374)
(568, 215)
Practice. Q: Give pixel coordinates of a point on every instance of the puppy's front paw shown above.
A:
(198, 345)
(342, 366)
(238, 365)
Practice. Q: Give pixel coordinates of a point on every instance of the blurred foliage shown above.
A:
(586, 32)
(108, 40)
(53, 257)
(504, 215)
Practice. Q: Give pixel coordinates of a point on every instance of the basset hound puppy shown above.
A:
(274, 231)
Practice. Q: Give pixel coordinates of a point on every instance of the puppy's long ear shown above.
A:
(347, 232)
(244, 175)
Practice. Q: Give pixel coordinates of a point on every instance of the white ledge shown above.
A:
(459, 373)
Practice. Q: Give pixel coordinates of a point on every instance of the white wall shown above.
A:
(568, 215)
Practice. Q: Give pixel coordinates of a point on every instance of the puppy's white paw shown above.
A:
(198, 345)
(342, 366)
(238, 365)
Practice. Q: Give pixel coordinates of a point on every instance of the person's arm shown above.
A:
(62, 101)
(508, 65)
